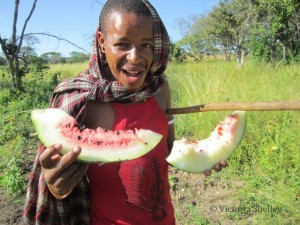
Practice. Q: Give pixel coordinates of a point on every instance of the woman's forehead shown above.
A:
(123, 6)
(121, 20)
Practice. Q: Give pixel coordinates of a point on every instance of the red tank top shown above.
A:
(136, 191)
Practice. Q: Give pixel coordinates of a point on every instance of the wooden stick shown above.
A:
(235, 106)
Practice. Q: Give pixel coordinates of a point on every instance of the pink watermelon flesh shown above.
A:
(55, 126)
(202, 155)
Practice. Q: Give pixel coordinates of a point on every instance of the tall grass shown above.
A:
(68, 70)
(268, 158)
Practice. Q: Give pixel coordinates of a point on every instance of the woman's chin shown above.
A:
(133, 83)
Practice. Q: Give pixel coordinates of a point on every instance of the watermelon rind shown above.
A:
(47, 124)
(200, 156)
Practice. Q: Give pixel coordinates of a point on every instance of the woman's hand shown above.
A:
(217, 167)
(62, 172)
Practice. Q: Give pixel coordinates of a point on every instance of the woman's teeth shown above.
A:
(131, 73)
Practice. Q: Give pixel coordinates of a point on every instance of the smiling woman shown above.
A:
(124, 88)
(127, 42)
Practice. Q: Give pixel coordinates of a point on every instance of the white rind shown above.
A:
(47, 123)
(199, 156)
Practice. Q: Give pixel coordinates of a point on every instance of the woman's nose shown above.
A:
(134, 55)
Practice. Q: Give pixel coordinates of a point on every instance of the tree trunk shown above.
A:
(226, 52)
(243, 57)
(240, 56)
(273, 52)
(11, 73)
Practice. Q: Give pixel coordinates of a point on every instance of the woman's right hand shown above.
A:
(62, 172)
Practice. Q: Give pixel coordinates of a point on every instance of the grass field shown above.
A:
(261, 184)
(268, 160)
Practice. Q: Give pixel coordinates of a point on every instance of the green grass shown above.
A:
(68, 70)
(267, 160)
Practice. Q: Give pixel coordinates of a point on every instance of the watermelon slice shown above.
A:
(199, 156)
(98, 145)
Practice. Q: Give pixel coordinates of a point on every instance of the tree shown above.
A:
(26, 51)
(176, 53)
(276, 35)
(53, 57)
(12, 48)
(78, 57)
(226, 27)
(244, 17)
(268, 29)
(194, 44)
(2, 61)
(14, 51)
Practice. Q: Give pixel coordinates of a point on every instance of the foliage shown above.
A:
(13, 178)
(58, 58)
(53, 57)
(224, 27)
(17, 147)
(267, 160)
(268, 30)
(68, 70)
(276, 35)
(2, 61)
(19, 48)
(11, 49)
(78, 57)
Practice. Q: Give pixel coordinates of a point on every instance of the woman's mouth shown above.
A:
(131, 73)
(132, 79)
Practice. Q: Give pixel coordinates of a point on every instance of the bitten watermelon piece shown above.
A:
(202, 155)
(55, 126)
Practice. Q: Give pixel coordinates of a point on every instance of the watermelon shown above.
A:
(98, 145)
(202, 155)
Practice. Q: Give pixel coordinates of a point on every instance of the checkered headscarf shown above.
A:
(93, 85)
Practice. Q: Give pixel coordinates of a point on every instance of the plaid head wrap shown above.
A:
(72, 95)
(93, 85)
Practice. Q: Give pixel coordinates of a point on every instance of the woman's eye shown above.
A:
(147, 45)
(122, 45)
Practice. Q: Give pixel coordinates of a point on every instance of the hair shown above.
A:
(123, 6)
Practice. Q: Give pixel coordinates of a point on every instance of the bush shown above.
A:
(17, 146)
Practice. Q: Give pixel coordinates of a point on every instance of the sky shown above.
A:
(77, 20)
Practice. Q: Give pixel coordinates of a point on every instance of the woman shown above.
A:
(123, 88)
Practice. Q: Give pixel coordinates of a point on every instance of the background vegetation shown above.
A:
(264, 171)
(269, 30)
(266, 162)
(268, 159)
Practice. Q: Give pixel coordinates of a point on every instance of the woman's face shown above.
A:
(128, 46)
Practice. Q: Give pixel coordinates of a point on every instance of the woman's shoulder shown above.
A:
(163, 96)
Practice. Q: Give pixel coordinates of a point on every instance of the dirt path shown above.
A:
(195, 199)
(198, 200)
(10, 209)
